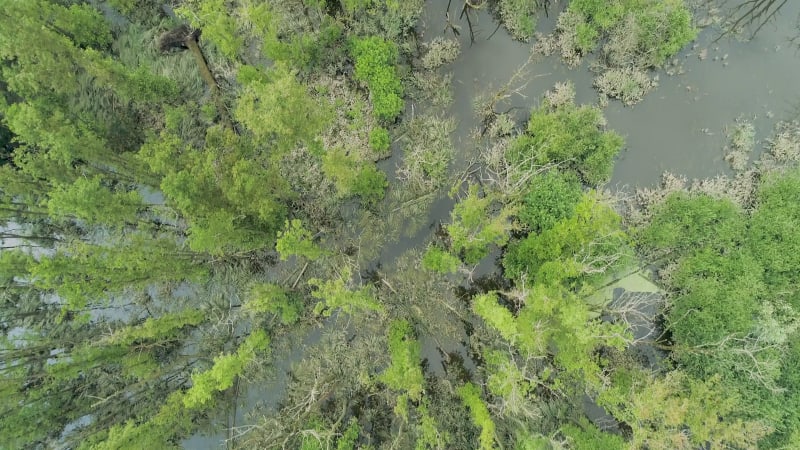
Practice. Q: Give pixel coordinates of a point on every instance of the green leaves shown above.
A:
(497, 316)
(439, 260)
(88, 200)
(471, 397)
(587, 244)
(218, 25)
(223, 373)
(473, 229)
(660, 30)
(570, 136)
(549, 199)
(354, 177)
(277, 109)
(404, 373)
(296, 240)
(271, 298)
(375, 60)
(334, 294)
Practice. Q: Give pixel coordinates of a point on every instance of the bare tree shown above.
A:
(752, 14)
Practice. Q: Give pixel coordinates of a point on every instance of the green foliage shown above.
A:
(296, 240)
(404, 373)
(519, 17)
(734, 311)
(685, 223)
(85, 273)
(348, 439)
(570, 136)
(586, 436)
(473, 229)
(218, 25)
(719, 297)
(662, 411)
(587, 244)
(352, 177)
(471, 396)
(277, 109)
(438, 260)
(164, 327)
(773, 235)
(643, 32)
(550, 198)
(334, 294)
(497, 316)
(87, 199)
(370, 184)
(223, 373)
(379, 140)
(375, 65)
(231, 193)
(429, 435)
(273, 299)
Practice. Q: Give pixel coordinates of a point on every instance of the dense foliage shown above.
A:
(199, 238)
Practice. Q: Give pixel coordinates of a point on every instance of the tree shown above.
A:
(296, 240)
(570, 136)
(585, 245)
(404, 373)
(471, 396)
(334, 294)
(277, 109)
(473, 230)
(375, 65)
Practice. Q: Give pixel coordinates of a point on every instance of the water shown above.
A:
(678, 127)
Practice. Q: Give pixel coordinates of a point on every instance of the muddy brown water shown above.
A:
(679, 127)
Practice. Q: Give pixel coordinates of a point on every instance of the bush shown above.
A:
(571, 136)
(379, 139)
(439, 260)
(370, 184)
(550, 198)
(519, 17)
(641, 33)
(375, 65)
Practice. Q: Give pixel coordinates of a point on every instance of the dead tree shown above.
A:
(751, 13)
(184, 37)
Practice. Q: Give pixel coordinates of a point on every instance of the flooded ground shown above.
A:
(679, 127)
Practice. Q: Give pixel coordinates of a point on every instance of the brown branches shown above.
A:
(752, 13)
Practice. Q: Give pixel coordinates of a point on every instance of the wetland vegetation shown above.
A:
(295, 224)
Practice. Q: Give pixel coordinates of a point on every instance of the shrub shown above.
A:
(379, 139)
(571, 136)
(441, 51)
(550, 198)
(519, 17)
(375, 65)
(370, 184)
(439, 260)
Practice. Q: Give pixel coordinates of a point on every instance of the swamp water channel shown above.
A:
(680, 127)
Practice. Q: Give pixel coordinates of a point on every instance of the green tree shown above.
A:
(375, 65)
(473, 229)
(335, 294)
(481, 418)
(296, 240)
(570, 136)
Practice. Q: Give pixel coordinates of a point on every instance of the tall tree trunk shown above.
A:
(205, 72)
